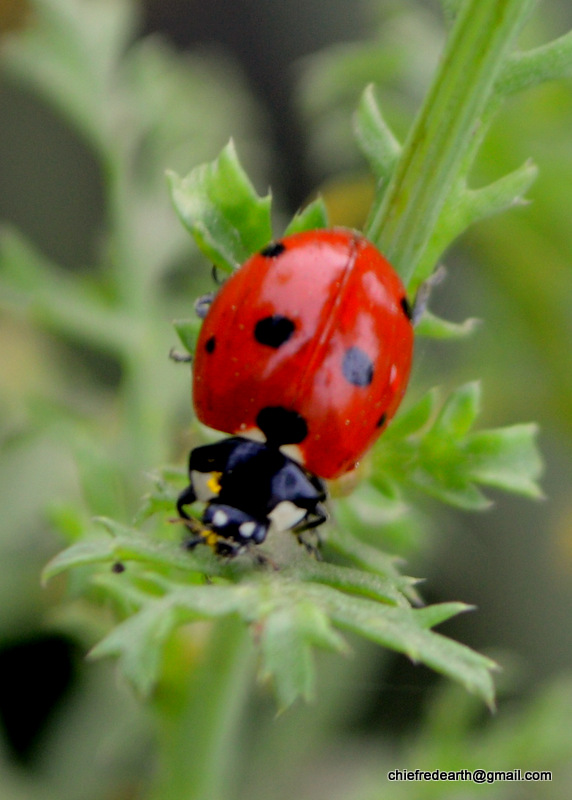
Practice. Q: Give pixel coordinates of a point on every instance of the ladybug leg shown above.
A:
(424, 293)
(221, 545)
(186, 498)
(178, 357)
(311, 547)
(198, 534)
(193, 541)
(218, 276)
(260, 558)
(203, 303)
(312, 520)
(230, 549)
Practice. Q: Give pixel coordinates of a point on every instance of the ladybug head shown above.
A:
(233, 524)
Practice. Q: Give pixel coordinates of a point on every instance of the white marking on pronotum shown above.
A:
(293, 452)
(253, 433)
(200, 481)
(286, 515)
(220, 518)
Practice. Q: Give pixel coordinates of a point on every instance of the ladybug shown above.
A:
(303, 357)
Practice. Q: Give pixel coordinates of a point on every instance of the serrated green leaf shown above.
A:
(353, 581)
(309, 218)
(168, 482)
(413, 419)
(371, 559)
(429, 616)
(290, 619)
(115, 528)
(459, 412)
(80, 554)
(138, 644)
(445, 460)
(434, 327)
(219, 206)
(400, 629)
(188, 332)
(247, 599)
(134, 547)
(163, 496)
(297, 616)
(460, 493)
(287, 638)
(506, 459)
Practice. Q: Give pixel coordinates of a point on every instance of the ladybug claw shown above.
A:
(424, 293)
(180, 358)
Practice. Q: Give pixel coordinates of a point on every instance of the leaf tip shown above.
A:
(47, 573)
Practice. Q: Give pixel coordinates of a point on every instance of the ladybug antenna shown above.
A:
(424, 293)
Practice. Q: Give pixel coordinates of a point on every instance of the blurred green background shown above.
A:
(283, 80)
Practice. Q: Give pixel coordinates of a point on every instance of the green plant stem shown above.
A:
(403, 223)
(197, 747)
(142, 386)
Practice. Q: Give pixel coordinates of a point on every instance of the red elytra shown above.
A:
(310, 340)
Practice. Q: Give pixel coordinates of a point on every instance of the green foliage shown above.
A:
(293, 608)
(435, 328)
(376, 140)
(438, 453)
(219, 206)
(312, 216)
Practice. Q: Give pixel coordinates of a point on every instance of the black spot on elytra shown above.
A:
(381, 421)
(406, 306)
(274, 331)
(273, 249)
(282, 426)
(357, 367)
(210, 344)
